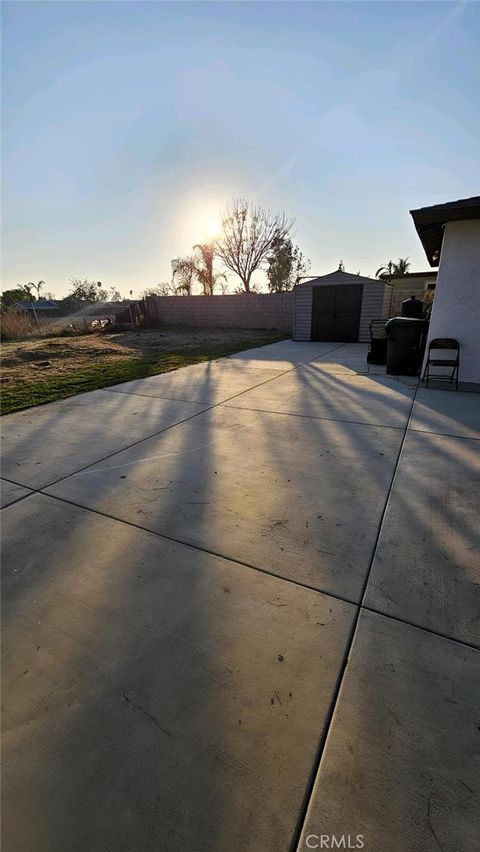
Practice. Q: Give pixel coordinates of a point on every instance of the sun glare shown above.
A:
(212, 228)
(200, 219)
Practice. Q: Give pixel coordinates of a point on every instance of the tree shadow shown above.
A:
(148, 704)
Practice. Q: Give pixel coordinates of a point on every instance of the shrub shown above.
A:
(14, 325)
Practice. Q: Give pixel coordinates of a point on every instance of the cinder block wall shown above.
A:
(398, 296)
(255, 310)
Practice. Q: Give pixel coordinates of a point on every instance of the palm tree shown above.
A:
(182, 276)
(391, 268)
(204, 254)
(198, 267)
(402, 267)
(384, 270)
(36, 287)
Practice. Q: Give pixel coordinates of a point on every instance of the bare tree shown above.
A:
(159, 290)
(248, 236)
(87, 291)
(165, 288)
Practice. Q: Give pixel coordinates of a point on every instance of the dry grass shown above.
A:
(14, 325)
(19, 326)
(41, 370)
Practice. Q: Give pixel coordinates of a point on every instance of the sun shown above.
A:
(212, 228)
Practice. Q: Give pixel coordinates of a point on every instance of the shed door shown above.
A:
(336, 312)
(348, 306)
(323, 313)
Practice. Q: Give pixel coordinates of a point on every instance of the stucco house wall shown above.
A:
(415, 282)
(456, 307)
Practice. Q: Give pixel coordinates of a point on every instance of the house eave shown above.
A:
(430, 223)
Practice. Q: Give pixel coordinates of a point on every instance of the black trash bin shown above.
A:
(406, 338)
(412, 307)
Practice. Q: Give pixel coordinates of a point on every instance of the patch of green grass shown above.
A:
(27, 394)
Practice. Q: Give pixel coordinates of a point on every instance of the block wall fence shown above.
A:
(398, 296)
(253, 310)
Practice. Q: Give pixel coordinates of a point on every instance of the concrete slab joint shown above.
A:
(240, 611)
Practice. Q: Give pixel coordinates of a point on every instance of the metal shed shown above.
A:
(339, 307)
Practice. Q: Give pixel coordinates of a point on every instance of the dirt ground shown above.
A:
(37, 359)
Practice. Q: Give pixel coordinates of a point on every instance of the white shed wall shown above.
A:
(375, 301)
(372, 308)
(302, 318)
(456, 307)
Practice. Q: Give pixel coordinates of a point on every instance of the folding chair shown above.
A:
(442, 343)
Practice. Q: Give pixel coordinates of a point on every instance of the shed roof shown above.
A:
(340, 277)
(429, 222)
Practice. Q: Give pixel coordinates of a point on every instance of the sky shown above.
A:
(128, 126)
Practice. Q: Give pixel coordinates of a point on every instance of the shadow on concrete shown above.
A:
(118, 632)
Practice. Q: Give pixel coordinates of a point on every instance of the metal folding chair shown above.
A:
(440, 343)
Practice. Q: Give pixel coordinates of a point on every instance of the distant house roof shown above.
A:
(430, 274)
(429, 222)
(338, 277)
(39, 305)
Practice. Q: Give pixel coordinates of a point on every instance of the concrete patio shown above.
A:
(241, 611)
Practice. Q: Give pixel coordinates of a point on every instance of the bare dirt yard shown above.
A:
(41, 370)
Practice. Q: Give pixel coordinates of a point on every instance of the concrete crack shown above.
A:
(147, 715)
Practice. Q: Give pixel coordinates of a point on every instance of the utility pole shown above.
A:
(33, 307)
(83, 315)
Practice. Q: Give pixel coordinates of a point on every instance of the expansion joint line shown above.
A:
(351, 639)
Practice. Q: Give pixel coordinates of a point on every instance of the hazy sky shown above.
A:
(128, 125)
